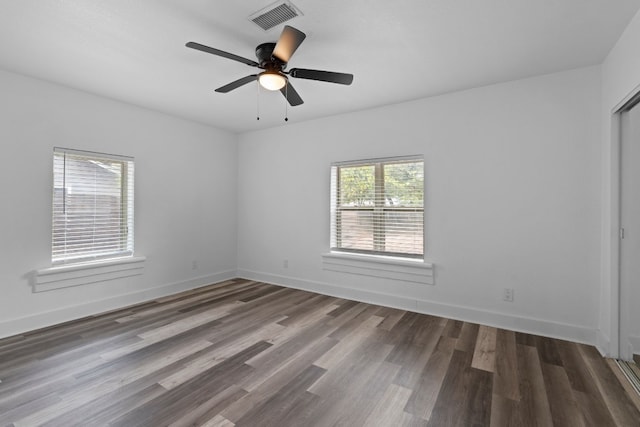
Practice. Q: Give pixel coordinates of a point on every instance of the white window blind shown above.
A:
(377, 207)
(92, 206)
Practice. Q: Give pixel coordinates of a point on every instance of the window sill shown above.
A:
(65, 276)
(412, 271)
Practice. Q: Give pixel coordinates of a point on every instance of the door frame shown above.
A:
(616, 344)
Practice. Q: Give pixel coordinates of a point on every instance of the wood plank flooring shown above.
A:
(243, 353)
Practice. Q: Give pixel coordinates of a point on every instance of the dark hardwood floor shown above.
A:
(251, 354)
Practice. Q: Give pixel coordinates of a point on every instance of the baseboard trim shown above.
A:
(469, 314)
(41, 320)
(603, 344)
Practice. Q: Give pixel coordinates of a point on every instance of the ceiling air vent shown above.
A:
(275, 14)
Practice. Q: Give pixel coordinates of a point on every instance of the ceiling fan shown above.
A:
(273, 59)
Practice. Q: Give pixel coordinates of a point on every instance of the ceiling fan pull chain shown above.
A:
(258, 103)
(286, 103)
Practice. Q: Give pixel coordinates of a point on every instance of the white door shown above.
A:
(630, 241)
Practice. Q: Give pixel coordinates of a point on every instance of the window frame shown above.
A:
(379, 209)
(125, 248)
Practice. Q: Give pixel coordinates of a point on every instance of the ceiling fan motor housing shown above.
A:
(264, 53)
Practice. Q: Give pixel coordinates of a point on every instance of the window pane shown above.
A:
(357, 185)
(404, 184)
(356, 230)
(404, 232)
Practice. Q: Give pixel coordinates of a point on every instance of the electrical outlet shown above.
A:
(507, 295)
(285, 263)
(194, 265)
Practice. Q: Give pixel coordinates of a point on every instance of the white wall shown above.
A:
(185, 198)
(512, 201)
(620, 78)
(513, 177)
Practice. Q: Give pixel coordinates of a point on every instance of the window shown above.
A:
(377, 207)
(92, 206)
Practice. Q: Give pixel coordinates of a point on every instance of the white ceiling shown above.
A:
(134, 50)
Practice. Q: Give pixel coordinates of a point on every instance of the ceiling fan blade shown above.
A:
(240, 82)
(290, 39)
(292, 96)
(324, 76)
(213, 51)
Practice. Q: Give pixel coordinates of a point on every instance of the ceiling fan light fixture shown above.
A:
(272, 80)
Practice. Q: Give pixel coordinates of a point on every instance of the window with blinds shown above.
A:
(377, 207)
(92, 206)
